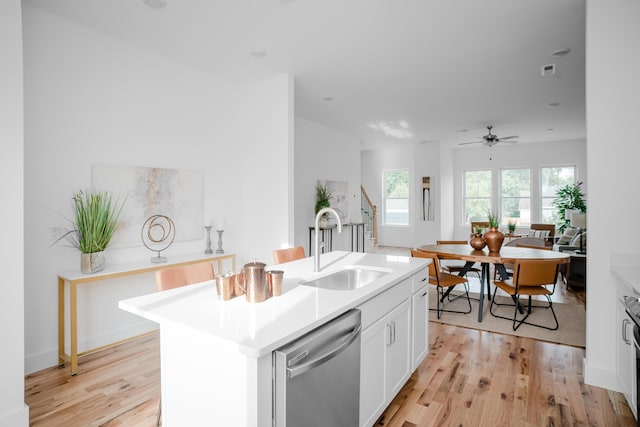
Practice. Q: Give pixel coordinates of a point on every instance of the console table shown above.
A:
(75, 278)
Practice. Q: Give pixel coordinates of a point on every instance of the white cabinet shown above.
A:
(384, 361)
(420, 327)
(625, 356)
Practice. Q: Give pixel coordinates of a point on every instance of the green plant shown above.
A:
(96, 219)
(568, 198)
(477, 229)
(494, 219)
(323, 197)
(512, 226)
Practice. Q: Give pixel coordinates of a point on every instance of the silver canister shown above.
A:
(255, 281)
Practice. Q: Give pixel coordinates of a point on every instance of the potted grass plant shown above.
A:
(96, 217)
(323, 200)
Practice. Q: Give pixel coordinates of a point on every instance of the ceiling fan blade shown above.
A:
(509, 137)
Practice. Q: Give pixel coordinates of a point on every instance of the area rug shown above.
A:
(571, 318)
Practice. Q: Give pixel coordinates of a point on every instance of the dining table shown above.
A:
(506, 255)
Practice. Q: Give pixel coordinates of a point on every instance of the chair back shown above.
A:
(285, 255)
(530, 241)
(551, 228)
(174, 277)
(201, 272)
(482, 224)
(452, 242)
(542, 248)
(434, 265)
(535, 272)
(171, 277)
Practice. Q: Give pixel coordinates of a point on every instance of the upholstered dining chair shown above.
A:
(523, 242)
(442, 280)
(175, 277)
(452, 266)
(290, 254)
(530, 277)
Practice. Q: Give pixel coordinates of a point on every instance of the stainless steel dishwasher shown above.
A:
(316, 379)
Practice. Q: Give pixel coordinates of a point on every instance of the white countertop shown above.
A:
(259, 328)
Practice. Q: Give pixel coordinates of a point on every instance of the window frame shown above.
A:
(465, 218)
(502, 198)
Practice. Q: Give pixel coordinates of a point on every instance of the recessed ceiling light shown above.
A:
(156, 4)
(553, 104)
(550, 130)
(463, 130)
(560, 52)
(258, 54)
(328, 98)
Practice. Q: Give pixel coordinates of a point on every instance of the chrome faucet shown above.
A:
(316, 255)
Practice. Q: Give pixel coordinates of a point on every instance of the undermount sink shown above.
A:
(348, 278)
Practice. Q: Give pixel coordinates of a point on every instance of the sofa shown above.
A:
(570, 240)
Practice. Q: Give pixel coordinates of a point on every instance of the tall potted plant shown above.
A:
(493, 237)
(568, 198)
(323, 200)
(96, 219)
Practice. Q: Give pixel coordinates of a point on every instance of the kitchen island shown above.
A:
(216, 356)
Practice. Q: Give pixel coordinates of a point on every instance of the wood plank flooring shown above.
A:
(470, 378)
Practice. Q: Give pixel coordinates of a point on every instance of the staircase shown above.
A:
(370, 218)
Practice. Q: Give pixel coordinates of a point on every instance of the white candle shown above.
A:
(220, 224)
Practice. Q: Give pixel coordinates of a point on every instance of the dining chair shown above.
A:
(530, 277)
(290, 254)
(175, 277)
(455, 267)
(442, 280)
(522, 242)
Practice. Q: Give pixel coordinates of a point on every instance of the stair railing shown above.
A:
(369, 213)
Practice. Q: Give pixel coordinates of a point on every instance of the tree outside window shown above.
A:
(477, 195)
(396, 197)
(515, 196)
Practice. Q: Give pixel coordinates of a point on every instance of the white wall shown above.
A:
(613, 67)
(420, 160)
(322, 153)
(91, 98)
(13, 411)
(534, 156)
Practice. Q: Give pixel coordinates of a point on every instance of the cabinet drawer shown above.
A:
(381, 304)
(419, 280)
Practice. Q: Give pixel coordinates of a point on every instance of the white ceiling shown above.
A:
(399, 71)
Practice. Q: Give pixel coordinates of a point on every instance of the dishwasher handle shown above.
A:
(301, 369)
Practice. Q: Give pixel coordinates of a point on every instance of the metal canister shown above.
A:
(255, 281)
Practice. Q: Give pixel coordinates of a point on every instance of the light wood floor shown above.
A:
(470, 378)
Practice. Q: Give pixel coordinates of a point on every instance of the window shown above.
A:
(550, 180)
(396, 197)
(515, 196)
(477, 195)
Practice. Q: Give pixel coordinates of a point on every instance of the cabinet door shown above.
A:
(373, 350)
(624, 351)
(420, 328)
(399, 351)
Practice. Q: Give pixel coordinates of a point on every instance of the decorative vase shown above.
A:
(494, 239)
(92, 263)
(477, 242)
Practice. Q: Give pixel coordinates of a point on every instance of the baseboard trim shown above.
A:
(17, 418)
(599, 377)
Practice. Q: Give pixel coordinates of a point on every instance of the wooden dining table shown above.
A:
(506, 255)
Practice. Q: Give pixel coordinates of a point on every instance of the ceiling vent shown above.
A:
(549, 70)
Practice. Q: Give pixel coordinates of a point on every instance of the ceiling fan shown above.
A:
(490, 139)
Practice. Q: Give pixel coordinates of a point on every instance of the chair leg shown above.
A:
(517, 323)
(441, 295)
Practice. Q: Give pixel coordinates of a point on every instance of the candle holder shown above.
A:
(208, 250)
(219, 250)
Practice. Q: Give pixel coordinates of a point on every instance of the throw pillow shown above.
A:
(575, 241)
(567, 236)
(541, 234)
